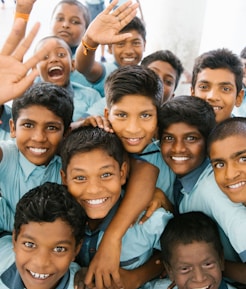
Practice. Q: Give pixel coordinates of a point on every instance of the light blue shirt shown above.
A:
(18, 175)
(10, 277)
(166, 177)
(4, 127)
(98, 107)
(206, 196)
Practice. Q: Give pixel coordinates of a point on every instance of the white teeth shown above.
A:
(96, 202)
(128, 59)
(38, 150)
(133, 139)
(180, 158)
(217, 107)
(39, 276)
(206, 287)
(55, 68)
(238, 185)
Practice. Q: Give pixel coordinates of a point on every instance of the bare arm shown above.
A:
(139, 193)
(103, 30)
(235, 271)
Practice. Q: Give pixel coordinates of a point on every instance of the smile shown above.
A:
(237, 185)
(38, 150)
(179, 159)
(96, 201)
(39, 276)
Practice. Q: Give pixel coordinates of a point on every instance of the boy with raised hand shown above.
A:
(192, 253)
(94, 168)
(184, 126)
(117, 28)
(56, 68)
(133, 95)
(217, 78)
(169, 68)
(40, 120)
(31, 260)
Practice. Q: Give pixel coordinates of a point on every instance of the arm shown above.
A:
(14, 75)
(103, 30)
(140, 188)
(235, 271)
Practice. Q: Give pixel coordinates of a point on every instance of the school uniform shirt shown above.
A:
(138, 243)
(108, 67)
(10, 277)
(205, 195)
(83, 98)
(98, 107)
(166, 177)
(18, 175)
(164, 283)
(4, 126)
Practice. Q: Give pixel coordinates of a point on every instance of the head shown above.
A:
(69, 20)
(133, 95)
(227, 152)
(184, 125)
(40, 119)
(130, 51)
(169, 68)
(47, 211)
(192, 251)
(57, 64)
(94, 169)
(217, 78)
(243, 59)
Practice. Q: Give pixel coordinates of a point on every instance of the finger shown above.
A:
(127, 15)
(107, 280)
(40, 54)
(110, 7)
(117, 280)
(89, 278)
(15, 36)
(26, 43)
(122, 8)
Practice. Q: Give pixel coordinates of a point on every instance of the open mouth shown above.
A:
(237, 185)
(39, 276)
(96, 201)
(55, 72)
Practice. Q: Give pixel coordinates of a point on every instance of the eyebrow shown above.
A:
(232, 156)
(27, 236)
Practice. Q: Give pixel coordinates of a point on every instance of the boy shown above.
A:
(136, 126)
(56, 68)
(192, 252)
(168, 67)
(217, 78)
(41, 118)
(184, 126)
(32, 260)
(122, 31)
(94, 168)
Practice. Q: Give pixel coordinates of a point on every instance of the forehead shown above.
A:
(135, 35)
(181, 128)
(69, 9)
(163, 67)
(38, 112)
(216, 76)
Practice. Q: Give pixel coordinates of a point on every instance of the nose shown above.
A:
(42, 260)
(65, 24)
(93, 187)
(133, 126)
(178, 146)
(39, 135)
(198, 275)
(128, 49)
(231, 172)
(212, 95)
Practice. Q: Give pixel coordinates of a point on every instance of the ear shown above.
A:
(63, 177)
(72, 65)
(77, 249)
(192, 91)
(239, 98)
(12, 128)
(169, 271)
(123, 173)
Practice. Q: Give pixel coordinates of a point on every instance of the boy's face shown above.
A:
(168, 76)
(228, 158)
(195, 265)
(183, 148)
(57, 65)
(68, 23)
(43, 261)
(134, 120)
(129, 51)
(94, 178)
(218, 88)
(38, 132)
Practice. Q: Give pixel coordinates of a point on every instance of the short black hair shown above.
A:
(47, 203)
(188, 109)
(49, 95)
(165, 56)
(243, 53)
(219, 59)
(135, 24)
(133, 79)
(88, 138)
(187, 228)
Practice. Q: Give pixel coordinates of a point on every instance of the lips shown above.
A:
(237, 185)
(96, 201)
(55, 71)
(38, 275)
(38, 151)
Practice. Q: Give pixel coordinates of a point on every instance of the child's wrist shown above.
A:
(24, 16)
(88, 45)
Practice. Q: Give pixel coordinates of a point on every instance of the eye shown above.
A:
(226, 89)
(52, 127)
(203, 86)
(145, 115)
(120, 44)
(218, 165)
(121, 115)
(79, 178)
(61, 54)
(75, 22)
(28, 125)
(191, 138)
(59, 18)
(106, 175)
(242, 159)
(137, 43)
(209, 265)
(185, 269)
(167, 138)
(29, 245)
(168, 82)
(60, 249)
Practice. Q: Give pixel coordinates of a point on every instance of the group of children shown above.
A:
(167, 184)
